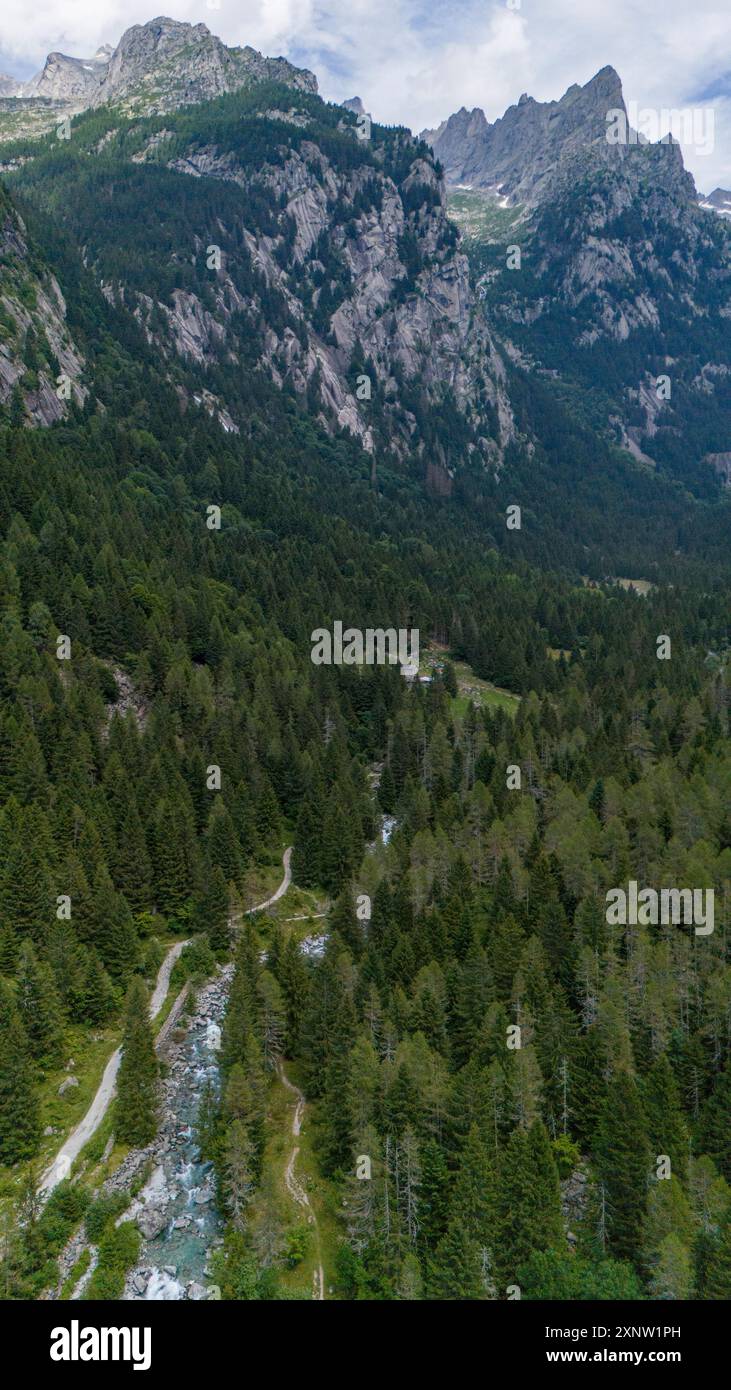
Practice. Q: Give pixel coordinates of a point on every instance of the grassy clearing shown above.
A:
(471, 688)
(321, 1240)
(262, 880)
(640, 586)
(480, 216)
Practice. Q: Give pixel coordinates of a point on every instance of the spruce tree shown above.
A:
(529, 1204)
(666, 1128)
(474, 1193)
(716, 1123)
(622, 1156)
(456, 1271)
(19, 1108)
(718, 1270)
(97, 990)
(136, 1109)
(211, 909)
(39, 1008)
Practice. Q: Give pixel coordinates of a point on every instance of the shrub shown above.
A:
(102, 1212)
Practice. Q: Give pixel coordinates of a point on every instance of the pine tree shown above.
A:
(434, 1198)
(337, 1119)
(172, 870)
(113, 932)
(242, 1008)
(271, 1020)
(456, 1271)
(306, 851)
(222, 843)
(97, 990)
(136, 1109)
(8, 948)
(622, 1155)
(474, 1194)
(343, 920)
(39, 1008)
(211, 910)
(718, 1272)
(716, 1123)
(245, 1099)
(19, 1109)
(529, 1204)
(387, 794)
(133, 871)
(666, 1127)
(238, 1173)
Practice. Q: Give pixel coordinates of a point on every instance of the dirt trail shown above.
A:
(280, 892)
(61, 1165)
(294, 1186)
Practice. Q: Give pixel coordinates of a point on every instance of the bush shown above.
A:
(63, 1211)
(567, 1155)
(296, 1245)
(102, 1212)
(198, 958)
(107, 1284)
(118, 1251)
(79, 1268)
(120, 1246)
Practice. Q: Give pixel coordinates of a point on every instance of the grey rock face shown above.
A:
(155, 67)
(67, 1085)
(520, 153)
(47, 316)
(164, 64)
(432, 332)
(73, 80)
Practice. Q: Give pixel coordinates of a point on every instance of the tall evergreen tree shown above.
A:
(19, 1108)
(622, 1155)
(136, 1109)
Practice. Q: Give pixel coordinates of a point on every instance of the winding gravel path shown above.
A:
(294, 1186)
(72, 1146)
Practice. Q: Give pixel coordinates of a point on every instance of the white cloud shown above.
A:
(415, 62)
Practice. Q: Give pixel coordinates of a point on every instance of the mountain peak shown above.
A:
(520, 151)
(155, 67)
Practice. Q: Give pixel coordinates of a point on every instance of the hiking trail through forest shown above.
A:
(294, 1186)
(60, 1167)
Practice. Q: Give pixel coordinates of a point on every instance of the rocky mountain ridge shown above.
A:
(328, 257)
(156, 67)
(623, 283)
(521, 153)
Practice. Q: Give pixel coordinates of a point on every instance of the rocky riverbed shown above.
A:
(176, 1209)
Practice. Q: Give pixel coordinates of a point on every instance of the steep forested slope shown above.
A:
(600, 273)
(488, 903)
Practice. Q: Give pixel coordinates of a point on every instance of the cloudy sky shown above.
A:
(416, 61)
